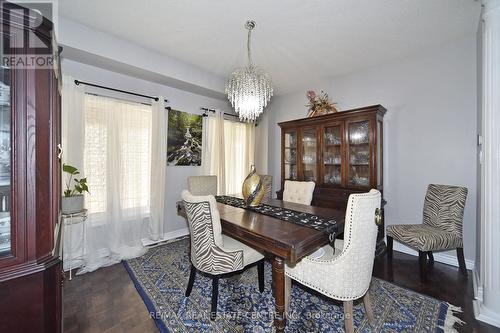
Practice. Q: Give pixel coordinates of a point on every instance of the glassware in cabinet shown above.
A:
(309, 154)
(290, 155)
(332, 155)
(358, 153)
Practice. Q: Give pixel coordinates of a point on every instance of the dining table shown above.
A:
(283, 242)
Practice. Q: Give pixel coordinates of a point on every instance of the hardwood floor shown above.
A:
(444, 282)
(106, 300)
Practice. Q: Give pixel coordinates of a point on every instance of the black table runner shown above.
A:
(325, 224)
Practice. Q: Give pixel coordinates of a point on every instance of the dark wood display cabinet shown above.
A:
(30, 263)
(341, 152)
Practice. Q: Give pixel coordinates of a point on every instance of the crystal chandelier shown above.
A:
(249, 89)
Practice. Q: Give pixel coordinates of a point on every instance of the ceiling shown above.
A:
(298, 42)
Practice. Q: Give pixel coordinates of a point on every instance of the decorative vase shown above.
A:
(253, 190)
(73, 204)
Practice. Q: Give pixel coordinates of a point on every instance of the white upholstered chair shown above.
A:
(211, 252)
(344, 274)
(202, 185)
(298, 192)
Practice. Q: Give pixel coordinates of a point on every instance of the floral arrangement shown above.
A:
(319, 104)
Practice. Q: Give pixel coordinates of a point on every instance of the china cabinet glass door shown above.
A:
(5, 160)
(358, 153)
(332, 155)
(290, 158)
(309, 154)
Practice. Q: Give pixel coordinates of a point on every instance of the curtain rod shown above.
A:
(77, 82)
(123, 99)
(226, 114)
(213, 110)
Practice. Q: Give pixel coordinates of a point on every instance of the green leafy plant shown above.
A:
(80, 185)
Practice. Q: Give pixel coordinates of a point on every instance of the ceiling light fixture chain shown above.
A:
(250, 25)
(249, 89)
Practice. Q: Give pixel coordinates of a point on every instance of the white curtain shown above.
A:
(158, 168)
(117, 163)
(239, 141)
(72, 131)
(230, 152)
(214, 149)
(72, 128)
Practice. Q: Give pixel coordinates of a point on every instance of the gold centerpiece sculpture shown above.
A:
(253, 189)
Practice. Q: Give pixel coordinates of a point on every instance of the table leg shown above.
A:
(279, 293)
(288, 293)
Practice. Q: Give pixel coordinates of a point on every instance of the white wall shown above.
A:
(479, 124)
(486, 280)
(429, 129)
(88, 45)
(180, 100)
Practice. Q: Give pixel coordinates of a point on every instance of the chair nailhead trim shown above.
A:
(321, 290)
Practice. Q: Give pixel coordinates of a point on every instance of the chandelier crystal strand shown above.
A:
(249, 89)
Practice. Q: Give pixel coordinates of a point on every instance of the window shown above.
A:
(238, 145)
(229, 152)
(117, 153)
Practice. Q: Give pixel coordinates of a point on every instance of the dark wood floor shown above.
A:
(106, 300)
(444, 282)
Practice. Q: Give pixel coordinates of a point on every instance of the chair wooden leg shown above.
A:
(260, 270)
(461, 261)
(288, 292)
(215, 296)
(348, 320)
(192, 275)
(431, 257)
(368, 309)
(389, 247)
(421, 260)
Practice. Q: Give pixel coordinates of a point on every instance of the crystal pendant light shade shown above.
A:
(249, 89)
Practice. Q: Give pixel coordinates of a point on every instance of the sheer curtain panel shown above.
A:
(214, 150)
(239, 142)
(72, 130)
(158, 168)
(117, 164)
(229, 152)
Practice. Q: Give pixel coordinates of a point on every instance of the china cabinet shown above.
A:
(30, 263)
(341, 152)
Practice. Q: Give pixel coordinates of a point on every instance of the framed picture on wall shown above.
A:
(184, 141)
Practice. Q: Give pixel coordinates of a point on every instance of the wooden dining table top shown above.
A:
(274, 236)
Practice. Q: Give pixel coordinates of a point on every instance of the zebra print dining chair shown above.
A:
(441, 228)
(267, 182)
(211, 252)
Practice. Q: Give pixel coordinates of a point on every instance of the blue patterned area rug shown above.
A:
(161, 277)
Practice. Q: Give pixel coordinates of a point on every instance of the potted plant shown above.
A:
(72, 201)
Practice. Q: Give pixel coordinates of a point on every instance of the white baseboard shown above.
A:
(477, 286)
(485, 315)
(439, 257)
(166, 236)
(482, 313)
